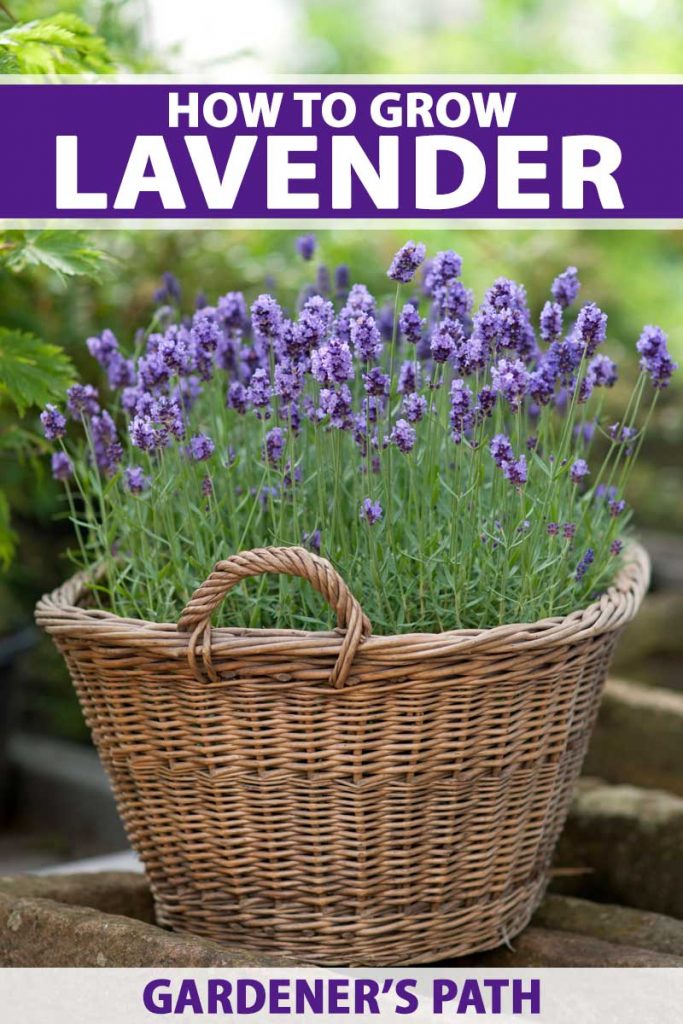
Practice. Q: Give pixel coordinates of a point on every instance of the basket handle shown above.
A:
(196, 617)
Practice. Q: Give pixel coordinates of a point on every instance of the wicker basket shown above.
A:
(340, 797)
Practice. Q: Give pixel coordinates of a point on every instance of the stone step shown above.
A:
(651, 647)
(623, 845)
(39, 932)
(541, 947)
(638, 738)
(622, 926)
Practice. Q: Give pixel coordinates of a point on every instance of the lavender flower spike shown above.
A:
(565, 287)
(579, 471)
(54, 423)
(403, 436)
(371, 511)
(655, 359)
(135, 479)
(201, 447)
(406, 261)
(62, 466)
(305, 246)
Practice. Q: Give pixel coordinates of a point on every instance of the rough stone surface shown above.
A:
(43, 933)
(627, 843)
(114, 892)
(650, 649)
(541, 947)
(638, 738)
(622, 926)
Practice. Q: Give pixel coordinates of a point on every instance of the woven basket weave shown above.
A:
(340, 797)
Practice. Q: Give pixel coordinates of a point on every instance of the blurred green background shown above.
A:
(635, 275)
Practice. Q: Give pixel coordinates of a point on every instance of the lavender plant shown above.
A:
(440, 457)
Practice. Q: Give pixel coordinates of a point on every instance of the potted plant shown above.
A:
(386, 785)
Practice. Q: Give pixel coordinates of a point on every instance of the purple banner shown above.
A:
(308, 152)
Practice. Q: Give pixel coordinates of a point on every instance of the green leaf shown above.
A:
(32, 372)
(61, 44)
(7, 534)
(67, 253)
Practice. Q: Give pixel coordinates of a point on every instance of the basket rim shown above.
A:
(61, 614)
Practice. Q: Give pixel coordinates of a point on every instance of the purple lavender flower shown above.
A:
(501, 450)
(505, 294)
(201, 447)
(552, 529)
(584, 389)
(168, 413)
(461, 417)
(510, 379)
(333, 363)
(655, 359)
(266, 318)
(563, 358)
(312, 541)
(453, 300)
(205, 332)
(108, 450)
(305, 246)
(408, 378)
(551, 321)
(590, 329)
(323, 284)
(516, 471)
(406, 261)
(62, 466)
(237, 397)
(315, 321)
(136, 480)
(289, 381)
(584, 565)
(443, 269)
(341, 281)
(415, 407)
(565, 287)
(365, 338)
(410, 324)
(569, 531)
(143, 434)
(446, 337)
(620, 434)
(153, 370)
(403, 436)
(603, 372)
(103, 348)
(120, 371)
(207, 486)
(231, 310)
(579, 471)
(82, 399)
(486, 400)
(275, 445)
(259, 391)
(170, 290)
(371, 511)
(54, 423)
(541, 384)
(375, 382)
(337, 403)
(616, 507)
(616, 547)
